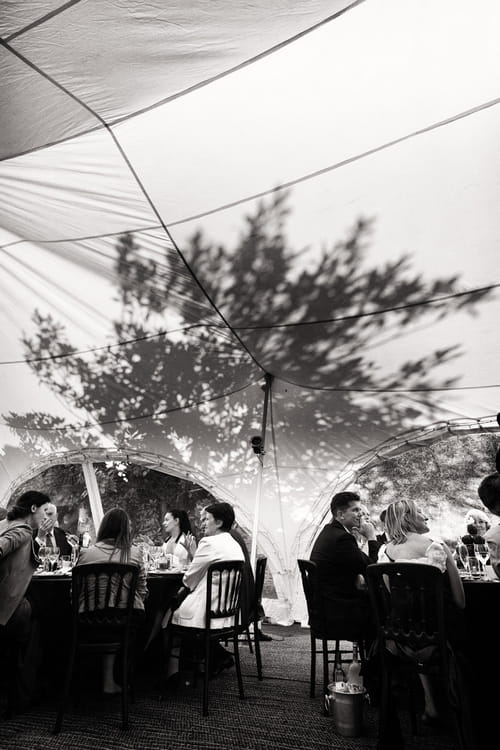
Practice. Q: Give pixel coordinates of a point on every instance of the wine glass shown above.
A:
(463, 555)
(53, 557)
(482, 553)
(154, 552)
(43, 554)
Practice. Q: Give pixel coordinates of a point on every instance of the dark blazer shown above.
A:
(65, 547)
(247, 586)
(339, 562)
(61, 538)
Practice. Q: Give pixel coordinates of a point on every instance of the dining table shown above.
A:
(482, 615)
(50, 596)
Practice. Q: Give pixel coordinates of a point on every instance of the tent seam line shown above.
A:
(202, 84)
(42, 19)
(139, 183)
(153, 415)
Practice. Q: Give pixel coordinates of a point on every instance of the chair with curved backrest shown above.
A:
(319, 629)
(102, 597)
(260, 572)
(222, 603)
(408, 606)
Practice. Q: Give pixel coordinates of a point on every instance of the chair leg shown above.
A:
(258, 657)
(249, 639)
(238, 665)
(337, 658)
(66, 689)
(125, 680)
(384, 700)
(412, 685)
(206, 676)
(324, 644)
(313, 665)
(389, 731)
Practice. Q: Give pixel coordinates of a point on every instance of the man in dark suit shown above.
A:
(50, 535)
(341, 565)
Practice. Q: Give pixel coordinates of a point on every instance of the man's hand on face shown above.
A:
(48, 522)
(367, 529)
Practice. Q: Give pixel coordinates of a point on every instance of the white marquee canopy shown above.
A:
(214, 209)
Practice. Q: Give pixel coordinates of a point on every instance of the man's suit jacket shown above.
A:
(340, 561)
(211, 549)
(61, 540)
(65, 547)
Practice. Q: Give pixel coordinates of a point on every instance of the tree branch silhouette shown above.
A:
(259, 285)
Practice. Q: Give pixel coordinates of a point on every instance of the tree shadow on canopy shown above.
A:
(315, 326)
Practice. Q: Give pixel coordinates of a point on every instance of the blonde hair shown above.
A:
(401, 517)
(474, 515)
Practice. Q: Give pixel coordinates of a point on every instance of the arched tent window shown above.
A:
(85, 487)
(440, 466)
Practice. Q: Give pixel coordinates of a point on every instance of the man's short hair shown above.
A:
(489, 492)
(342, 500)
(222, 512)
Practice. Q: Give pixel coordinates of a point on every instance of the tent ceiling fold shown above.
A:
(139, 54)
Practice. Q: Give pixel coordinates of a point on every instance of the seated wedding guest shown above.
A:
(480, 524)
(189, 604)
(50, 535)
(180, 541)
(487, 631)
(409, 541)
(340, 562)
(489, 492)
(113, 544)
(18, 626)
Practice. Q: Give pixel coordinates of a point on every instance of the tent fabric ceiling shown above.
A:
(193, 195)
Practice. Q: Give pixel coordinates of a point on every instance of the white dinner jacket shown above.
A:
(211, 549)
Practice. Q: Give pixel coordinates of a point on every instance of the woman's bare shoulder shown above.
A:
(415, 546)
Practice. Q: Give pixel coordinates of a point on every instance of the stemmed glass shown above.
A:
(43, 554)
(463, 555)
(482, 553)
(53, 557)
(154, 554)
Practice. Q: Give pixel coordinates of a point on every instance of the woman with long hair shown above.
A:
(114, 544)
(407, 532)
(180, 541)
(18, 562)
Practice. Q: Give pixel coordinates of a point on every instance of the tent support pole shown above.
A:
(93, 493)
(260, 456)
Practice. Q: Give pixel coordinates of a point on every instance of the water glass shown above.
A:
(65, 563)
(43, 554)
(165, 562)
(475, 567)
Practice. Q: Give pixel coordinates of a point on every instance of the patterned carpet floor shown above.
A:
(277, 713)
